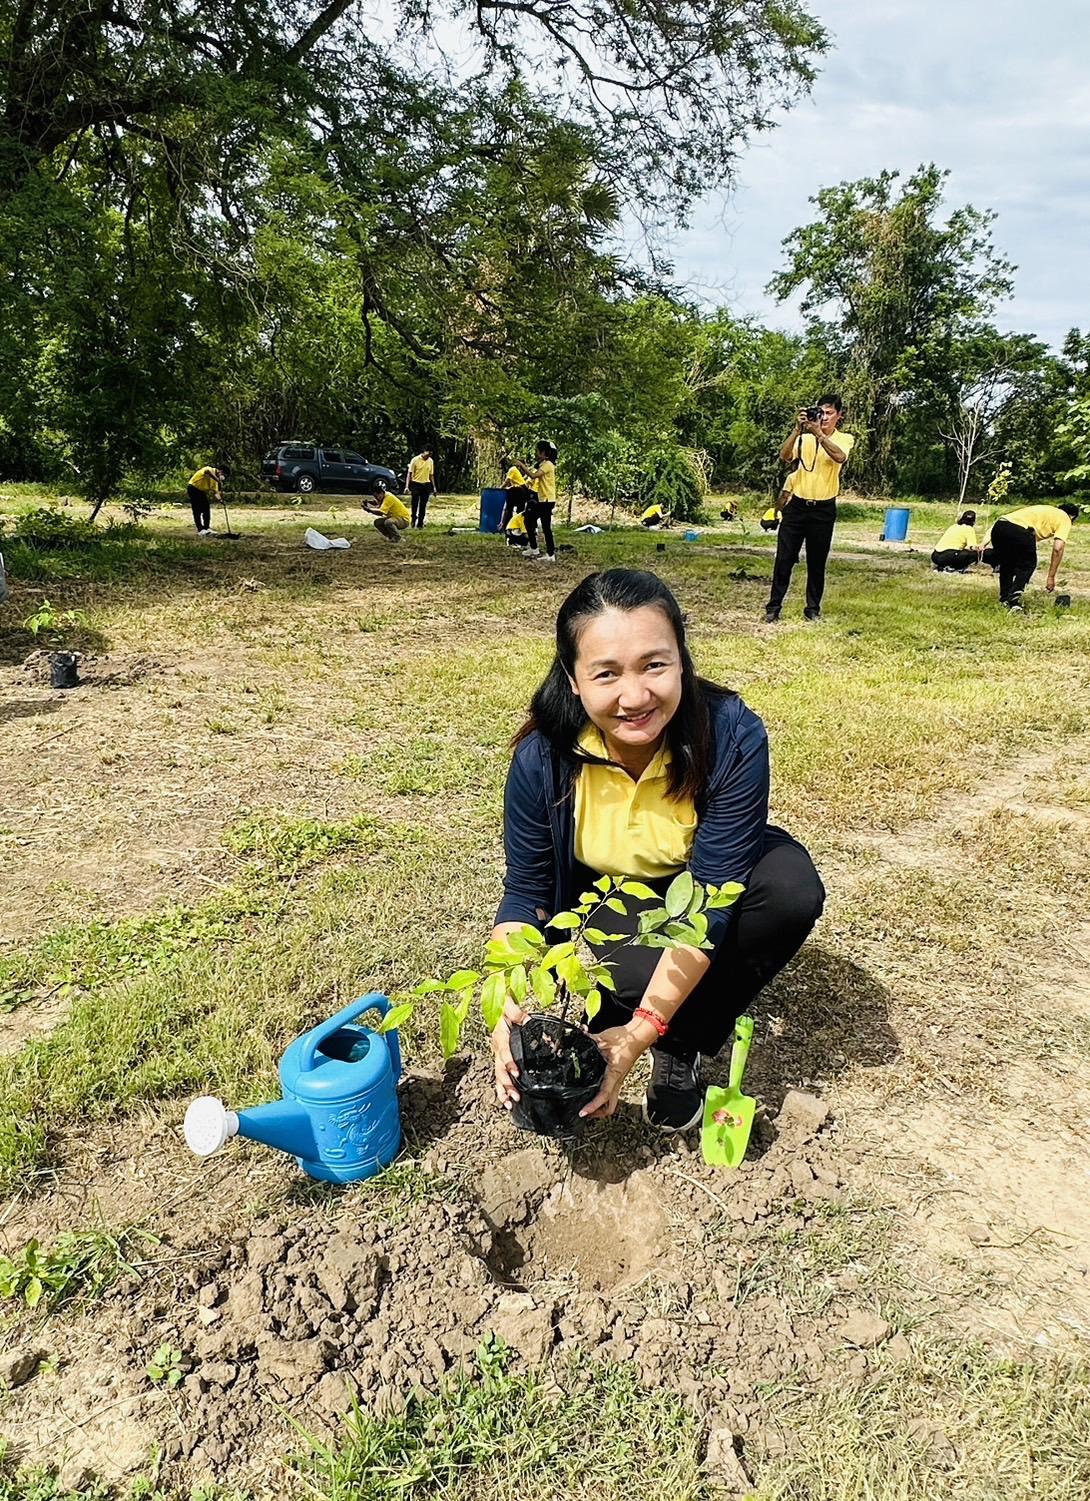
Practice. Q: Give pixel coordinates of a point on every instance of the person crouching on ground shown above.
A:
(808, 502)
(1014, 545)
(204, 487)
(654, 516)
(630, 765)
(957, 548)
(517, 497)
(391, 513)
(421, 482)
(542, 479)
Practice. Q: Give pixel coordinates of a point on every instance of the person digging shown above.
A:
(205, 486)
(632, 766)
(391, 513)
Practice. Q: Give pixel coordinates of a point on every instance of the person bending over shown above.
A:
(957, 548)
(630, 765)
(542, 479)
(653, 516)
(203, 488)
(808, 502)
(1014, 546)
(391, 513)
(518, 496)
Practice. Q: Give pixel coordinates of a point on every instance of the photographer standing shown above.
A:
(809, 511)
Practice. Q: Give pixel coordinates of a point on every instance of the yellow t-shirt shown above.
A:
(653, 513)
(517, 524)
(394, 506)
(957, 539)
(421, 470)
(1043, 521)
(772, 514)
(545, 485)
(204, 479)
(627, 828)
(514, 477)
(817, 477)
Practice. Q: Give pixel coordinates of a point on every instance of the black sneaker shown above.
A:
(771, 615)
(811, 614)
(675, 1097)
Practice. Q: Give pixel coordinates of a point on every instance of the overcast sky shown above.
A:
(997, 91)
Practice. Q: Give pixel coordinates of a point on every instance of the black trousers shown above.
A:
(419, 494)
(954, 557)
(541, 510)
(518, 498)
(200, 502)
(1015, 550)
(769, 924)
(810, 522)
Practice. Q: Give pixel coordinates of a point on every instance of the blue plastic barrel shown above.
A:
(896, 529)
(492, 503)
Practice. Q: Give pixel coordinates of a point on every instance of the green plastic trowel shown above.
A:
(728, 1113)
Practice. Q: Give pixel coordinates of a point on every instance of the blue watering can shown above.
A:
(339, 1117)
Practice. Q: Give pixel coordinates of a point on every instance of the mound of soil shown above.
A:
(605, 1250)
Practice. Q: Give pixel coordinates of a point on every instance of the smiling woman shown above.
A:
(631, 765)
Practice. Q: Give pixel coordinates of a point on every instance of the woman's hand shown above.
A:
(506, 1067)
(623, 1047)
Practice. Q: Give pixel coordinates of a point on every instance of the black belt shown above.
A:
(806, 502)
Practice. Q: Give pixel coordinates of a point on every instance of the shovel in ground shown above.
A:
(728, 1113)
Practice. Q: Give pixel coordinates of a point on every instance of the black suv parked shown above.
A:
(296, 466)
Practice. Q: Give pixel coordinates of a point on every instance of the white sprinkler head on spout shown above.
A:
(208, 1124)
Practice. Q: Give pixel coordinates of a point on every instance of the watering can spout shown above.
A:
(282, 1124)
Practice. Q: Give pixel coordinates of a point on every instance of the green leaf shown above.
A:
(461, 978)
(575, 977)
(678, 894)
(461, 1006)
(521, 946)
(594, 935)
(603, 976)
(493, 995)
(604, 883)
(615, 904)
(428, 987)
(637, 888)
(727, 895)
(556, 953)
(32, 1292)
(593, 1004)
(653, 941)
(653, 917)
(590, 897)
(544, 986)
(516, 983)
(395, 1016)
(449, 1029)
(565, 920)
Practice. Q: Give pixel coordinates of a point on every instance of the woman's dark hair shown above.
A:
(967, 518)
(1070, 508)
(548, 449)
(558, 714)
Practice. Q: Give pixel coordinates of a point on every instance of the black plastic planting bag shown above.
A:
(560, 1070)
(63, 672)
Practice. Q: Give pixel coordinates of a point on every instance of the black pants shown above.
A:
(518, 498)
(201, 504)
(541, 510)
(420, 494)
(1015, 550)
(769, 924)
(959, 558)
(810, 522)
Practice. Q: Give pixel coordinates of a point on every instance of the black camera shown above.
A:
(813, 414)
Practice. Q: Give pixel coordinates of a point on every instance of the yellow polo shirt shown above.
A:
(1043, 521)
(817, 477)
(421, 470)
(653, 513)
(393, 505)
(204, 479)
(627, 828)
(957, 539)
(545, 485)
(514, 477)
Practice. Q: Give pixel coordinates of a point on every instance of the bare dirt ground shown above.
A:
(928, 1170)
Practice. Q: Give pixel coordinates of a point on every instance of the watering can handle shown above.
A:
(317, 1035)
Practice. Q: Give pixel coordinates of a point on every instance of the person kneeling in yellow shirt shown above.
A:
(391, 513)
(957, 548)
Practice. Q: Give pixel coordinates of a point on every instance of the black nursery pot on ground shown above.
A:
(560, 1070)
(63, 671)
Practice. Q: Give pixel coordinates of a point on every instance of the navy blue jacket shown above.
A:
(539, 819)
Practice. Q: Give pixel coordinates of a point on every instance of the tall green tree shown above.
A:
(893, 286)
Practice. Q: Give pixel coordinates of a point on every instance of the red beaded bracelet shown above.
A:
(660, 1026)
